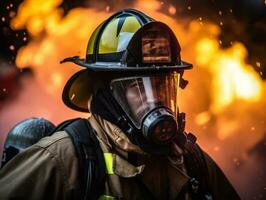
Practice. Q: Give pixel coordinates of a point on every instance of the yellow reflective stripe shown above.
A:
(108, 157)
(106, 197)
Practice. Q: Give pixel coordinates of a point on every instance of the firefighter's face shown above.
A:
(136, 98)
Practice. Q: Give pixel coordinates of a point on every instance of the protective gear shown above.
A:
(54, 160)
(142, 63)
(25, 134)
(150, 47)
(150, 103)
(136, 60)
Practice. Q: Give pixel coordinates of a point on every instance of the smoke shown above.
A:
(32, 101)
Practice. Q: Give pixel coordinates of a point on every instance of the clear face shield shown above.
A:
(151, 103)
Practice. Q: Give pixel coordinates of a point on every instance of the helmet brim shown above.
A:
(118, 67)
(78, 91)
(80, 87)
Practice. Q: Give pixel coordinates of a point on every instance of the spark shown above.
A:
(216, 148)
(258, 64)
(172, 10)
(107, 8)
(12, 14)
(12, 47)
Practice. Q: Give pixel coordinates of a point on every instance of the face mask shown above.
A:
(150, 103)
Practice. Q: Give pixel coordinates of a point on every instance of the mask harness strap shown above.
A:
(104, 105)
(195, 162)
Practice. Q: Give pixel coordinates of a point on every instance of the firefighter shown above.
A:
(130, 81)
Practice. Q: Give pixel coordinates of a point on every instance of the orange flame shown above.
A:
(223, 87)
(55, 37)
(232, 78)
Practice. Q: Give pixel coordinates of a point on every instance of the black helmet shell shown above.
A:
(28, 132)
(127, 43)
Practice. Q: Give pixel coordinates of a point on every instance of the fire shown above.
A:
(37, 15)
(55, 37)
(232, 78)
(224, 97)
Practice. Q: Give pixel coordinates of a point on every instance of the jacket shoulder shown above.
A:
(60, 146)
(60, 137)
(49, 165)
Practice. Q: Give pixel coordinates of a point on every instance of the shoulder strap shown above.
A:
(196, 165)
(198, 186)
(63, 125)
(90, 155)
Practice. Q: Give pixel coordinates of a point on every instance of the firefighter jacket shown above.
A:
(49, 170)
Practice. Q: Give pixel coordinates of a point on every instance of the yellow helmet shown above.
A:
(128, 42)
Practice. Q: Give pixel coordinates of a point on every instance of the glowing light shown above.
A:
(172, 10)
(203, 118)
(152, 5)
(232, 78)
(33, 15)
(12, 47)
(56, 79)
(107, 8)
(54, 36)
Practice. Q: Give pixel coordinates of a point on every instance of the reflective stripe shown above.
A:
(108, 157)
(106, 197)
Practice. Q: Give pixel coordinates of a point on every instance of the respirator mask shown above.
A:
(150, 103)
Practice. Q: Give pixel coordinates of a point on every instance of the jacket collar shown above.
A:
(112, 139)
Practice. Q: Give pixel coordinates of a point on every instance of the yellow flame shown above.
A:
(232, 79)
(36, 15)
(203, 118)
(57, 39)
